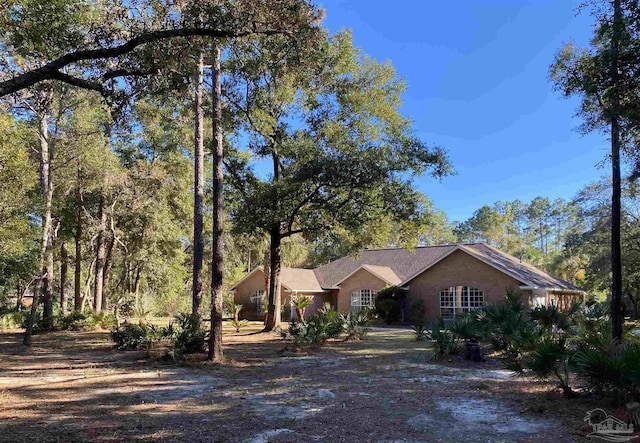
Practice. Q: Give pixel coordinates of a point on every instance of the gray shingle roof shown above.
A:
(409, 263)
(525, 272)
(399, 266)
(403, 262)
(298, 279)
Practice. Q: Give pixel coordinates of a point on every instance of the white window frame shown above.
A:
(458, 300)
(539, 298)
(362, 298)
(256, 298)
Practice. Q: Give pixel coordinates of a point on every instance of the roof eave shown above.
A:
(259, 268)
(554, 288)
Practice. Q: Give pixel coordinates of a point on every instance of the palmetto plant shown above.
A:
(468, 327)
(550, 359)
(235, 311)
(236, 322)
(353, 324)
(300, 303)
(556, 320)
(141, 313)
(613, 368)
(503, 323)
(239, 324)
(318, 328)
(443, 338)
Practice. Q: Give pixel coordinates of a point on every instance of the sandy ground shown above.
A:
(72, 387)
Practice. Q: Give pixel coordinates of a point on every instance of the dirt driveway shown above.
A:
(73, 387)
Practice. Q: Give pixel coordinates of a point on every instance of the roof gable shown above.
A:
(292, 279)
(522, 271)
(384, 273)
(402, 262)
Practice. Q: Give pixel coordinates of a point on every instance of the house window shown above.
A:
(459, 299)
(539, 298)
(256, 298)
(364, 298)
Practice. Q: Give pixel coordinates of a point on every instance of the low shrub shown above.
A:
(501, 323)
(421, 332)
(550, 359)
(444, 341)
(79, 321)
(417, 312)
(74, 321)
(131, 337)
(353, 324)
(239, 324)
(614, 369)
(103, 320)
(14, 320)
(316, 330)
(189, 337)
(467, 327)
(390, 303)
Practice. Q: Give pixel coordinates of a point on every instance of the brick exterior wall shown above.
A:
(242, 294)
(256, 282)
(459, 269)
(361, 279)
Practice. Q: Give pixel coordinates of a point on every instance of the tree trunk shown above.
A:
(267, 278)
(19, 295)
(108, 262)
(617, 317)
(198, 192)
(47, 311)
(46, 189)
(274, 314)
(136, 285)
(64, 257)
(87, 284)
(100, 257)
(77, 287)
(215, 337)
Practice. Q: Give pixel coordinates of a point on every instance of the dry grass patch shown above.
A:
(74, 387)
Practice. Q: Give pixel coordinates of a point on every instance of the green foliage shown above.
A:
(554, 319)
(301, 301)
(188, 337)
(551, 358)
(421, 332)
(348, 124)
(13, 320)
(613, 369)
(505, 323)
(417, 312)
(235, 311)
(316, 330)
(390, 303)
(131, 337)
(467, 327)
(75, 321)
(239, 324)
(354, 323)
(142, 313)
(444, 340)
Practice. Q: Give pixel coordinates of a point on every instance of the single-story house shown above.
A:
(450, 279)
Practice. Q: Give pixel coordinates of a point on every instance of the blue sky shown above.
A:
(477, 75)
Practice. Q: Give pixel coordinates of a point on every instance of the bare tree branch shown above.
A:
(51, 70)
